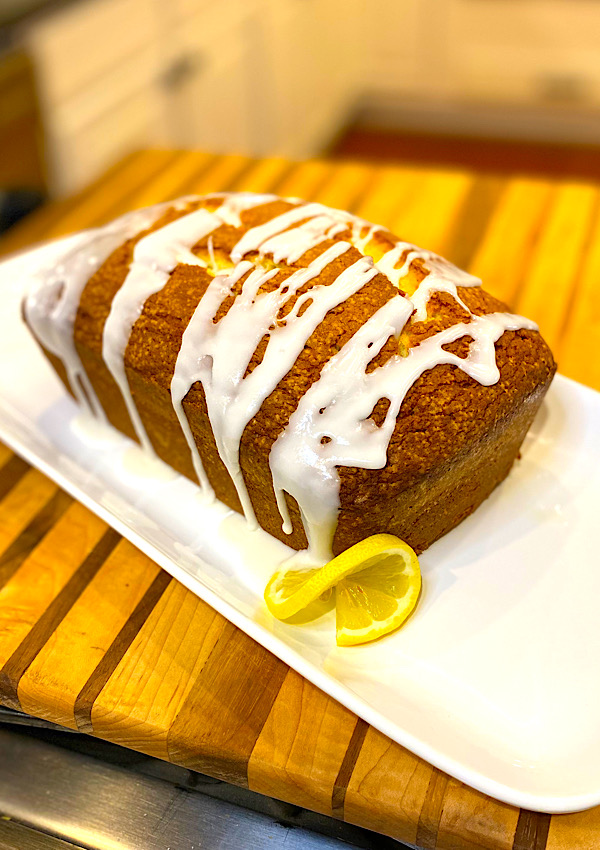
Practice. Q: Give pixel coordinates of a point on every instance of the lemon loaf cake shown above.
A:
(304, 366)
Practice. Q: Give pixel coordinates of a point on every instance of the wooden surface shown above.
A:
(95, 636)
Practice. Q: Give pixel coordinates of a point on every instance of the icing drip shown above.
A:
(51, 305)
(359, 241)
(292, 244)
(257, 237)
(218, 354)
(443, 276)
(154, 259)
(339, 405)
(189, 366)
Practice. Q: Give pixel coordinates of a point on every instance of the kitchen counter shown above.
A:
(95, 637)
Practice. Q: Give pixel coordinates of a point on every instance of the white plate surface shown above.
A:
(494, 679)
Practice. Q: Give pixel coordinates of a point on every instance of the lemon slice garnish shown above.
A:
(377, 584)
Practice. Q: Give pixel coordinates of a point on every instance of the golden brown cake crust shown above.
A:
(454, 438)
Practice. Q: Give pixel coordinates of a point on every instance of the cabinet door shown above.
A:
(531, 50)
(313, 60)
(75, 46)
(208, 108)
(407, 48)
(78, 156)
(206, 93)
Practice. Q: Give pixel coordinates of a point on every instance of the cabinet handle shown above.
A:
(181, 70)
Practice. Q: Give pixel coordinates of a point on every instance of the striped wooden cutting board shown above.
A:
(95, 636)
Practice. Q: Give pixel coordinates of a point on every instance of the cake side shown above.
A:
(453, 437)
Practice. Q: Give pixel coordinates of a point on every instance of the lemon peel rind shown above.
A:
(348, 562)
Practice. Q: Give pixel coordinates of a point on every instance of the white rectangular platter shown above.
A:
(493, 680)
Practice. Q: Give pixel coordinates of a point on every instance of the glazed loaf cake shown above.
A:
(304, 366)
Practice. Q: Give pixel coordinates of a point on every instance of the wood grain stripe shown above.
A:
(347, 186)
(472, 821)
(142, 192)
(580, 263)
(389, 191)
(25, 653)
(86, 698)
(472, 219)
(12, 558)
(503, 256)
(171, 181)
(427, 215)
(431, 811)
(142, 698)
(11, 473)
(552, 279)
(580, 343)
(50, 686)
(300, 748)
(224, 175)
(575, 831)
(347, 766)
(108, 201)
(264, 175)
(305, 180)
(222, 717)
(532, 831)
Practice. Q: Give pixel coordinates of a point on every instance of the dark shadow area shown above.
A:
(502, 156)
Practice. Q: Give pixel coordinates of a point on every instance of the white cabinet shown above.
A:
(311, 61)
(206, 101)
(97, 68)
(248, 76)
(485, 49)
(526, 51)
(281, 77)
(77, 156)
(398, 38)
(75, 46)
(524, 68)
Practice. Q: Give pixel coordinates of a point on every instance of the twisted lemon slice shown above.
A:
(377, 584)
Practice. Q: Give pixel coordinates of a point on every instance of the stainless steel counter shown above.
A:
(60, 790)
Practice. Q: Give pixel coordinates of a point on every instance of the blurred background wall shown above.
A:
(84, 82)
(521, 68)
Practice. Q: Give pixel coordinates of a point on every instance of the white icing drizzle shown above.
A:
(358, 226)
(443, 276)
(154, 259)
(188, 368)
(292, 244)
(255, 238)
(211, 252)
(51, 305)
(219, 354)
(331, 426)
